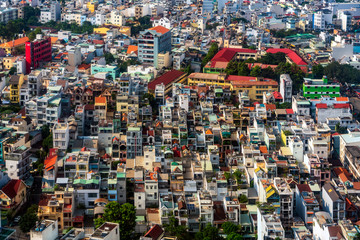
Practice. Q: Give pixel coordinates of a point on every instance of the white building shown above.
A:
(319, 146)
(269, 226)
(107, 231)
(286, 87)
(319, 20)
(116, 18)
(133, 142)
(51, 14)
(17, 163)
(164, 21)
(45, 230)
(333, 202)
(61, 135)
(324, 227)
(297, 148)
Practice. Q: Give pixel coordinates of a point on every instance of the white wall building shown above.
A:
(45, 230)
(61, 135)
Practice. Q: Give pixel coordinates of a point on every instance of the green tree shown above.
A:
(243, 198)
(174, 229)
(243, 69)
(208, 233)
(234, 236)
(28, 220)
(229, 227)
(109, 58)
(268, 73)
(214, 48)
(318, 71)
(124, 214)
(255, 71)
(12, 70)
(32, 35)
(232, 68)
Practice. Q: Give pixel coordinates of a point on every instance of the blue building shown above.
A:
(152, 42)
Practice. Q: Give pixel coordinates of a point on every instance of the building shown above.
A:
(269, 225)
(319, 20)
(45, 230)
(36, 52)
(8, 14)
(152, 42)
(286, 87)
(254, 86)
(286, 196)
(306, 203)
(333, 202)
(110, 71)
(324, 227)
(17, 163)
(100, 107)
(167, 80)
(316, 88)
(34, 82)
(61, 135)
(133, 142)
(12, 45)
(13, 195)
(107, 231)
(51, 14)
(15, 83)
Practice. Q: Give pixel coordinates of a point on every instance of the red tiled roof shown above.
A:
(341, 105)
(155, 232)
(166, 78)
(290, 53)
(11, 188)
(227, 54)
(304, 187)
(160, 29)
(270, 106)
(321, 105)
(84, 66)
(277, 95)
(89, 107)
(289, 111)
(250, 81)
(50, 161)
(100, 100)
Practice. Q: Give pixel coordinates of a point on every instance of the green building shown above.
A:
(111, 71)
(316, 88)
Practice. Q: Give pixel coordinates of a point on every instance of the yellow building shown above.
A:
(254, 86)
(101, 30)
(12, 45)
(92, 6)
(15, 83)
(12, 197)
(164, 60)
(8, 62)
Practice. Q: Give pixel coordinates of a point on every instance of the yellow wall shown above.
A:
(101, 30)
(91, 6)
(8, 62)
(15, 90)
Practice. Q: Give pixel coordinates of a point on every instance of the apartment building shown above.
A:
(306, 203)
(8, 14)
(36, 52)
(17, 163)
(53, 13)
(152, 42)
(333, 202)
(61, 135)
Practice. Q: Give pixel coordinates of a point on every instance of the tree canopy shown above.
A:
(28, 220)
(174, 229)
(124, 214)
(208, 233)
(214, 48)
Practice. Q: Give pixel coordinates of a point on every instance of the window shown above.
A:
(92, 195)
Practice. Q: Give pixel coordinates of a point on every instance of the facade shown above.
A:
(45, 230)
(306, 203)
(333, 202)
(61, 136)
(316, 88)
(15, 82)
(8, 14)
(51, 14)
(152, 42)
(18, 163)
(286, 87)
(36, 52)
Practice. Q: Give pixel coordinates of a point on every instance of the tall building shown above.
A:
(133, 142)
(51, 14)
(319, 20)
(286, 87)
(153, 42)
(8, 14)
(36, 52)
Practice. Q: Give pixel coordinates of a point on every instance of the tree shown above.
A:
(255, 71)
(243, 69)
(268, 73)
(243, 198)
(45, 131)
(208, 233)
(32, 35)
(231, 68)
(318, 71)
(109, 58)
(234, 236)
(214, 48)
(28, 220)
(174, 229)
(47, 143)
(12, 70)
(124, 214)
(229, 227)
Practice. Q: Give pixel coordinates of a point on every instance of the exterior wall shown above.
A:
(36, 52)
